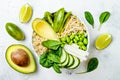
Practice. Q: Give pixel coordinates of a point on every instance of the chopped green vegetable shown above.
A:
(58, 19)
(92, 65)
(51, 44)
(48, 18)
(103, 18)
(89, 18)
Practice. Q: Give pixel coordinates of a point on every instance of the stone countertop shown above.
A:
(109, 64)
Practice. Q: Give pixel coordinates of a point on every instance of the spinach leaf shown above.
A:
(44, 61)
(103, 18)
(56, 68)
(89, 18)
(92, 65)
(59, 52)
(51, 44)
(51, 56)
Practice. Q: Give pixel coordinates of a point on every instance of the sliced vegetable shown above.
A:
(75, 64)
(103, 18)
(103, 41)
(63, 56)
(48, 18)
(68, 14)
(58, 19)
(43, 29)
(14, 31)
(89, 18)
(71, 61)
(25, 13)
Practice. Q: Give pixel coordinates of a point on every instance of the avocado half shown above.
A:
(30, 68)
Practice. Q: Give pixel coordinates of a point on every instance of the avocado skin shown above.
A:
(17, 69)
(14, 31)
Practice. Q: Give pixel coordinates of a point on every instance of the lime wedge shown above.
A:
(103, 41)
(25, 13)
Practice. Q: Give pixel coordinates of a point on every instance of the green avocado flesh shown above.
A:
(29, 68)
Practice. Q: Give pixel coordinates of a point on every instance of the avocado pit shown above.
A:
(20, 57)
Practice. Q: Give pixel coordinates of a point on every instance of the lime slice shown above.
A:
(103, 41)
(25, 13)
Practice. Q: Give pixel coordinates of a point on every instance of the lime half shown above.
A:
(25, 13)
(103, 41)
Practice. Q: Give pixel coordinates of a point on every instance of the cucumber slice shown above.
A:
(71, 61)
(76, 63)
(63, 56)
(66, 62)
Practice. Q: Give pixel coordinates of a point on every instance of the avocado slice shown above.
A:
(20, 58)
(43, 29)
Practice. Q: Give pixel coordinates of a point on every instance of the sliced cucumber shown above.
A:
(76, 63)
(71, 61)
(63, 56)
(66, 62)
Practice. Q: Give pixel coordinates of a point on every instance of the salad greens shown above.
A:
(51, 44)
(89, 18)
(51, 58)
(103, 18)
(92, 65)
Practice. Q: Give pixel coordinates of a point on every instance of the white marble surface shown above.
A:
(109, 65)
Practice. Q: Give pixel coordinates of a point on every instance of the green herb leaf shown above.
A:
(56, 68)
(51, 56)
(44, 61)
(89, 18)
(103, 18)
(51, 44)
(92, 65)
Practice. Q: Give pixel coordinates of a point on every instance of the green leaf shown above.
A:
(44, 61)
(103, 18)
(89, 18)
(92, 64)
(51, 44)
(56, 68)
(59, 52)
(53, 57)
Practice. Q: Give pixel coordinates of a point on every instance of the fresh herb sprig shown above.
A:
(89, 18)
(103, 18)
(92, 65)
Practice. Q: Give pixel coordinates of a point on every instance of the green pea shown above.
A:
(84, 48)
(85, 41)
(63, 39)
(83, 36)
(68, 39)
(70, 42)
(62, 45)
(81, 39)
(80, 43)
(72, 36)
(74, 40)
